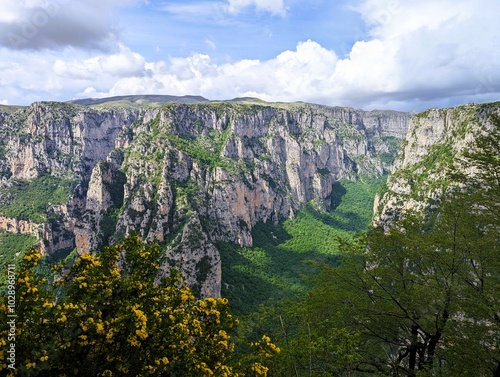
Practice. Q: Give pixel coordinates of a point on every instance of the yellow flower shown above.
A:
(150, 368)
(141, 334)
(110, 335)
(134, 342)
(123, 369)
(62, 319)
(99, 328)
(259, 369)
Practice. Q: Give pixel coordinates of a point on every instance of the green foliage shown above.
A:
(187, 193)
(418, 299)
(8, 109)
(393, 144)
(420, 296)
(114, 304)
(29, 200)
(12, 246)
(108, 224)
(283, 255)
(201, 150)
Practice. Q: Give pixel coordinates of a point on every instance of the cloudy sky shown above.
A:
(385, 54)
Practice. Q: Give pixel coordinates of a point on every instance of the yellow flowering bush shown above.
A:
(112, 314)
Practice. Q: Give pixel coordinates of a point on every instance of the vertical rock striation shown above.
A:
(189, 175)
(433, 147)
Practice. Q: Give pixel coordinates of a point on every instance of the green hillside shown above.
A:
(283, 256)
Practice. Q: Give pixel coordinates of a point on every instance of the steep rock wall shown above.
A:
(191, 175)
(433, 147)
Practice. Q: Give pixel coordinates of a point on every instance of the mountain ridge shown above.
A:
(141, 100)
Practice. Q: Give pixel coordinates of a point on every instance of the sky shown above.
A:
(405, 55)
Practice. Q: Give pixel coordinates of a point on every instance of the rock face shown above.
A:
(189, 175)
(434, 145)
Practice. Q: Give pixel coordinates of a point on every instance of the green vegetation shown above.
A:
(419, 299)
(10, 108)
(29, 200)
(12, 246)
(284, 255)
(205, 151)
(393, 144)
(12, 243)
(115, 315)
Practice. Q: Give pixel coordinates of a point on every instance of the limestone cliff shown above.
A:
(187, 175)
(433, 147)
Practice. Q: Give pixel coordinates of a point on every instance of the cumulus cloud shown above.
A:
(51, 24)
(432, 49)
(122, 64)
(292, 75)
(417, 55)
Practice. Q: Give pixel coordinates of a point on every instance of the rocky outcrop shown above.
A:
(434, 146)
(237, 165)
(51, 237)
(13, 225)
(192, 253)
(189, 175)
(61, 139)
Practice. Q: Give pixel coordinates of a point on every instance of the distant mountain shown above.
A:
(137, 100)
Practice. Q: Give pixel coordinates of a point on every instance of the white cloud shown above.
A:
(292, 75)
(4, 101)
(432, 49)
(51, 24)
(122, 64)
(418, 55)
(276, 7)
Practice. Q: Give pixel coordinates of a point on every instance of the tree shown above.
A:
(114, 314)
(422, 297)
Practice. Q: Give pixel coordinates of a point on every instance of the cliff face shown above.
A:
(187, 175)
(433, 147)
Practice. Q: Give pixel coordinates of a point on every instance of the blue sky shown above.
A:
(386, 54)
(184, 27)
